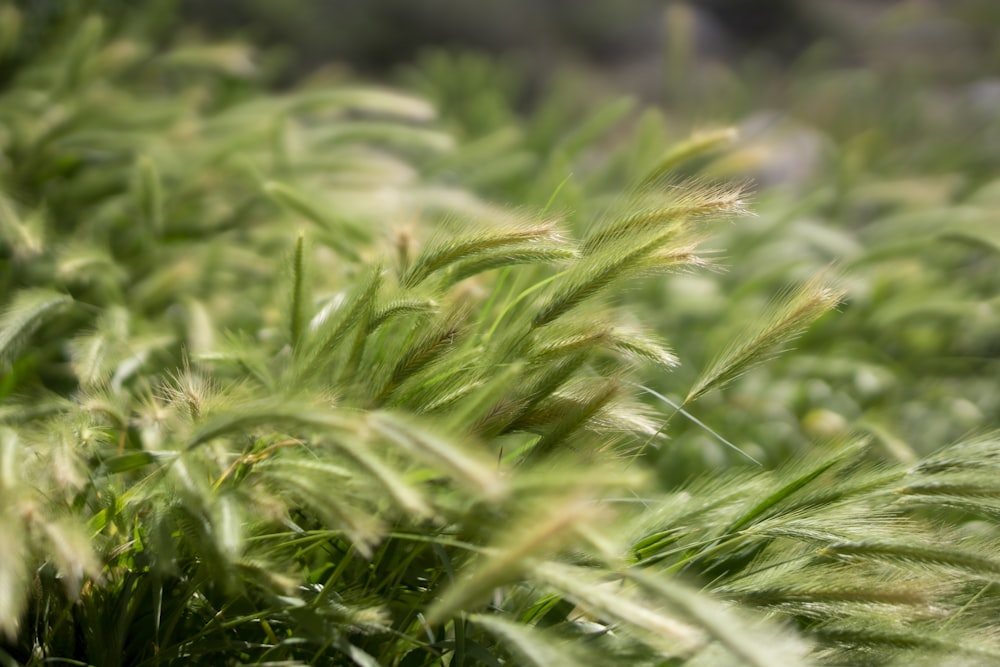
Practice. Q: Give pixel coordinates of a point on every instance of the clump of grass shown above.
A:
(203, 462)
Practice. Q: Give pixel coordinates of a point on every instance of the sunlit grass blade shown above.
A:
(14, 573)
(788, 318)
(438, 339)
(70, 548)
(506, 563)
(233, 59)
(404, 493)
(594, 274)
(817, 592)
(510, 413)
(960, 558)
(372, 100)
(29, 310)
(467, 469)
(333, 328)
(615, 602)
(574, 415)
(669, 210)
(538, 253)
(449, 251)
(416, 139)
(920, 643)
(629, 341)
(253, 415)
(755, 642)
(24, 235)
(400, 307)
(532, 646)
(474, 407)
(795, 485)
(324, 490)
(96, 355)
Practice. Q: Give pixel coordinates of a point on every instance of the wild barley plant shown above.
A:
(270, 397)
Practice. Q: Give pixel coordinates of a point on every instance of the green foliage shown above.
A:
(278, 388)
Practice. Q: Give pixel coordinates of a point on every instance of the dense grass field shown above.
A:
(405, 375)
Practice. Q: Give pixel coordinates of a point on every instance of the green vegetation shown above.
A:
(284, 384)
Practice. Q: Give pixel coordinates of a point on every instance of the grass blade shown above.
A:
(530, 645)
(29, 310)
(787, 319)
(507, 564)
(754, 642)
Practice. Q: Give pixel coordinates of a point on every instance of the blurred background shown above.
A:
(840, 67)
(627, 42)
(803, 73)
(624, 38)
(376, 35)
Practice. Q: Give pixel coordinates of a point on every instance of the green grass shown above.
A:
(282, 386)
